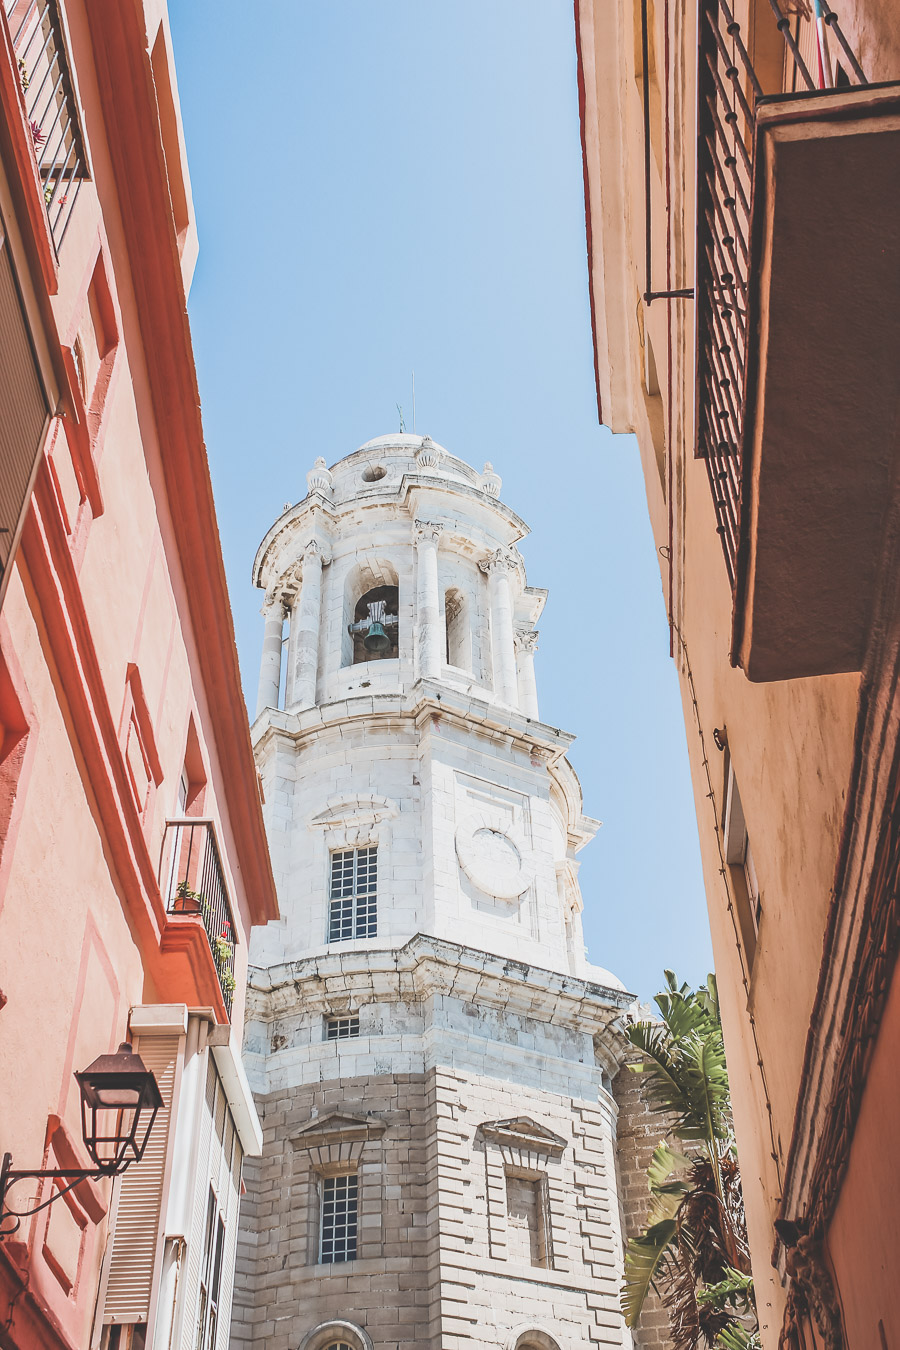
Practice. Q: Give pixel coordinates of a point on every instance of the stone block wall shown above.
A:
(434, 1269)
(639, 1132)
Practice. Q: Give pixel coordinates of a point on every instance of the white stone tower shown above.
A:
(432, 1053)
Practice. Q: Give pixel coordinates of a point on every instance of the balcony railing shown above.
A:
(51, 108)
(194, 885)
(816, 58)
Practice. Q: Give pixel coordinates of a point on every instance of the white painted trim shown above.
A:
(239, 1097)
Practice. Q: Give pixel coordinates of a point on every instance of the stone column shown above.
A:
(270, 666)
(498, 567)
(430, 638)
(526, 646)
(305, 621)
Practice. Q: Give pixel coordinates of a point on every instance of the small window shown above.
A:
(526, 1220)
(210, 1275)
(341, 1028)
(352, 899)
(339, 1219)
(739, 856)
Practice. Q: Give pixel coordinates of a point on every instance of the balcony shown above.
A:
(195, 887)
(51, 107)
(798, 326)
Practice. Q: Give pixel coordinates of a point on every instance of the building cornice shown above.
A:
(427, 966)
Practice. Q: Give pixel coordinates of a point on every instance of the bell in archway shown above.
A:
(376, 640)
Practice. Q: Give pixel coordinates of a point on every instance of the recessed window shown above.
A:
(352, 898)
(210, 1274)
(527, 1226)
(373, 473)
(739, 856)
(341, 1028)
(339, 1219)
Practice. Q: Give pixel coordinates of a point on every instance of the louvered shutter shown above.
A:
(25, 413)
(136, 1237)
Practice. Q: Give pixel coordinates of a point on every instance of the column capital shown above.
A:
(501, 560)
(273, 602)
(427, 532)
(526, 639)
(315, 549)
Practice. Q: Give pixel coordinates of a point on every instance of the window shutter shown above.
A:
(25, 413)
(232, 1214)
(136, 1236)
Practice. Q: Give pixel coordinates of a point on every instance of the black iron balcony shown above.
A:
(51, 108)
(798, 323)
(195, 885)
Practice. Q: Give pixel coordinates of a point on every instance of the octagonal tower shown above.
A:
(431, 1051)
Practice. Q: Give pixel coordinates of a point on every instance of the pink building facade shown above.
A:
(133, 859)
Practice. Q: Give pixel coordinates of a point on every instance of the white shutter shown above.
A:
(136, 1237)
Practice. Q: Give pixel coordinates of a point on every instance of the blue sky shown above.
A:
(384, 186)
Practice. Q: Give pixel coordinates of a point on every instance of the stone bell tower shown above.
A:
(432, 1054)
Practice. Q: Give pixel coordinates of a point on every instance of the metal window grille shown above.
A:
(339, 1217)
(341, 1028)
(339, 1345)
(51, 107)
(354, 878)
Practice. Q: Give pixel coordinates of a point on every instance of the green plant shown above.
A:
(184, 892)
(223, 949)
(228, 983)
(693, 1249)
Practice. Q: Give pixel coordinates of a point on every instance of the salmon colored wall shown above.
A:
(106, 671)
(791, 743)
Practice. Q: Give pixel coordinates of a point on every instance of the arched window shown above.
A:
(459, 631)
(376, 627)
(336, 1335)
(534, 1340)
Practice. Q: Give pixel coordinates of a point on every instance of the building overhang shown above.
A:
(820, 437)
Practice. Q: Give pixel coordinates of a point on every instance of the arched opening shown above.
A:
(371, 584)
(458, 630)
(337, 1335)
(535, 1340)
(376, 626)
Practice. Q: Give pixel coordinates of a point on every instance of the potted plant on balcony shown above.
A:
(187, 901)
(223, 948)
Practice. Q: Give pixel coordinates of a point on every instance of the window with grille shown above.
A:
(354, 875)
(341, 1028)
(339, 1218)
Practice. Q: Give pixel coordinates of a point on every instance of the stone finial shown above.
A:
(428, 455)
(319, 479)
(491, 482)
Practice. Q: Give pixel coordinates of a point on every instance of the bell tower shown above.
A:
(431, 1051)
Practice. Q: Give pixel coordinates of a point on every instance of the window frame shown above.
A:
(330, 1182)
(358, 909)
(741, 866)
(211, 1261)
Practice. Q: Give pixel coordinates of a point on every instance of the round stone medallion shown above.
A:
(494, 855)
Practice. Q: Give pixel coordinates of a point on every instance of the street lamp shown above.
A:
(119, 1101)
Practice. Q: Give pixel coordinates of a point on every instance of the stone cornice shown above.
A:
(427, 966)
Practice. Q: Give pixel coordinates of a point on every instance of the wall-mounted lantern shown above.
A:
(119, 1101)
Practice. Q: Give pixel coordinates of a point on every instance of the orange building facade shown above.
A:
(742, 182)
(133, 859)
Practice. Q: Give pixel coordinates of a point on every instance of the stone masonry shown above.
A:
(449, 1149)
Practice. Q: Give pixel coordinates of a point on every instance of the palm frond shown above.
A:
(644, 1256)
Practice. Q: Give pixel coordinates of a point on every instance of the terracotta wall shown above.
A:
(117, 659)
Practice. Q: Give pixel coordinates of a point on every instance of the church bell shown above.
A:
(376, 640)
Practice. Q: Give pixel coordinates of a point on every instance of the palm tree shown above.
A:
(693, 1249)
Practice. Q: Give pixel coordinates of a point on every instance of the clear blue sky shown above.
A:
(390, 185)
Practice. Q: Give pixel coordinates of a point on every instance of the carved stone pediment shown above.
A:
(523, 1133)
(338, 1127)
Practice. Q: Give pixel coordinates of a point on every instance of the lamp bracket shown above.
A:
(9, 1176)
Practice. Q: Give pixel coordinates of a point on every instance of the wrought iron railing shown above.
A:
(729, 92)
(194, 884)
(51, 108)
